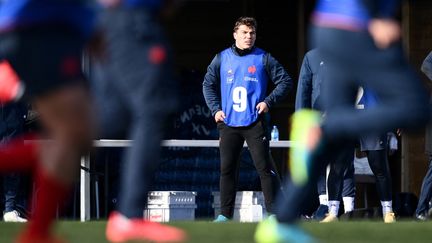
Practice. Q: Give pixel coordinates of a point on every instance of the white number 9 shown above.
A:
(239, 99)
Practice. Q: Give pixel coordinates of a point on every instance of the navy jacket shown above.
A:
(12, 119)
(275, 71)
(309, 83)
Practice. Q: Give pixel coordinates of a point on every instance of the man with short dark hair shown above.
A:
(235, 88)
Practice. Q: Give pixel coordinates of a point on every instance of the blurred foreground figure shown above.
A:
(360, 43)
(135, 92)
(41, 44)
(308, 96)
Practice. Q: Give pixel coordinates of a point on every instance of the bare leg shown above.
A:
(66, 117)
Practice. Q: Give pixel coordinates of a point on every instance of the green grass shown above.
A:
(207, 232)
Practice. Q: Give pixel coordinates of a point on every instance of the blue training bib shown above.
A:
(243, 86)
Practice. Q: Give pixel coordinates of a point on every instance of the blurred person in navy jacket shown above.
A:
(360, 41)
(312, 73)
(135, 92)
(41, 44)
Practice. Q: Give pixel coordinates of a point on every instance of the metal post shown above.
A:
(85, 190)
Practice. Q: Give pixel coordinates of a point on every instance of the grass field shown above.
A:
(203, 232)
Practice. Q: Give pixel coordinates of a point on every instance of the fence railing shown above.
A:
(108, 143)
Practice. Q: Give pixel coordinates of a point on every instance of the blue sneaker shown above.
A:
(320, 213)
(306, 135)
(270, 231)
(221, 219)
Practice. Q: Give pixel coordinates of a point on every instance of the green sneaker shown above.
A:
(270, 231)
(305, 134)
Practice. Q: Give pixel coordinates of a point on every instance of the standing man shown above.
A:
(375, 147)
(135, 91)
(235, 88)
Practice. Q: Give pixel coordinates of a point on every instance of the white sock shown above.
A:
(386, 207)
(323, 199)
(348, 204)
(333, 207)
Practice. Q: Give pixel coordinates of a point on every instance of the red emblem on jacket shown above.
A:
(252, 69)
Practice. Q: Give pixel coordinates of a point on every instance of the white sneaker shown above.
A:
(13, 216)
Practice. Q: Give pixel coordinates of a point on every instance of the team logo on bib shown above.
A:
(252, 69)
(230, 76)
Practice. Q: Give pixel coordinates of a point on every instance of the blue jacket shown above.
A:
(309, 83)
(275, 71)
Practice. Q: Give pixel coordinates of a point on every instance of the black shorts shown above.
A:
(46, 58)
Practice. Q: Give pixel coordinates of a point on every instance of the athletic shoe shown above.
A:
(330, 218)
(270, 231)
(421, 217)
(122, 229)
(13, 216)
(389, 218)
(221, 219)
(306, 134)
(320, 213)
